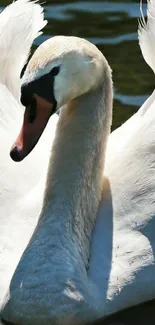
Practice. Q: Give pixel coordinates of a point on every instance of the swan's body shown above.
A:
(51, 282)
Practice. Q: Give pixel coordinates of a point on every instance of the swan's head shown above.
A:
(60, 70)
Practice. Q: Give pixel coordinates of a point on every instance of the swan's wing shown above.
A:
(123, 246)
(122, 263)
(146, 33)
(20, 24)
(119, 138)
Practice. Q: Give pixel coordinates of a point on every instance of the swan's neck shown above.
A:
(74, 182)
(51, 279)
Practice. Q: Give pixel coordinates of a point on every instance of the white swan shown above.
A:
(51, 282)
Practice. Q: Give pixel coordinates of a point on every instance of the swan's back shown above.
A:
(146, 34)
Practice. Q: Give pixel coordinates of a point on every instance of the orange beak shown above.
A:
(32, 128)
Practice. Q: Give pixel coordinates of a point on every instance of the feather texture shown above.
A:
(17, 38)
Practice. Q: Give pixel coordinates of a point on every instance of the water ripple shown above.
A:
(97, 40)
(60, 11)
(131, 100)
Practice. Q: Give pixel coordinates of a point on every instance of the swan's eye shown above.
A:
(55, 71)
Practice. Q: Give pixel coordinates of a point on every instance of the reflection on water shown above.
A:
(60, 10)
(98, 40)
(112, 26)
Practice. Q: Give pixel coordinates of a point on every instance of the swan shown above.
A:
(92, 251)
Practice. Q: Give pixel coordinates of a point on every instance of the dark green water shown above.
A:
(112, 26)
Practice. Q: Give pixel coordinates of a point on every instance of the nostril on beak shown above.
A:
(15, 154)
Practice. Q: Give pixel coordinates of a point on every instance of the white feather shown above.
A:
(20, 24)
(146, 34)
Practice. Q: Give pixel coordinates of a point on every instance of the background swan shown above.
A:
(120, 220)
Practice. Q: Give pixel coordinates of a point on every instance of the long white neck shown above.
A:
(74, 181)
(53, 269)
